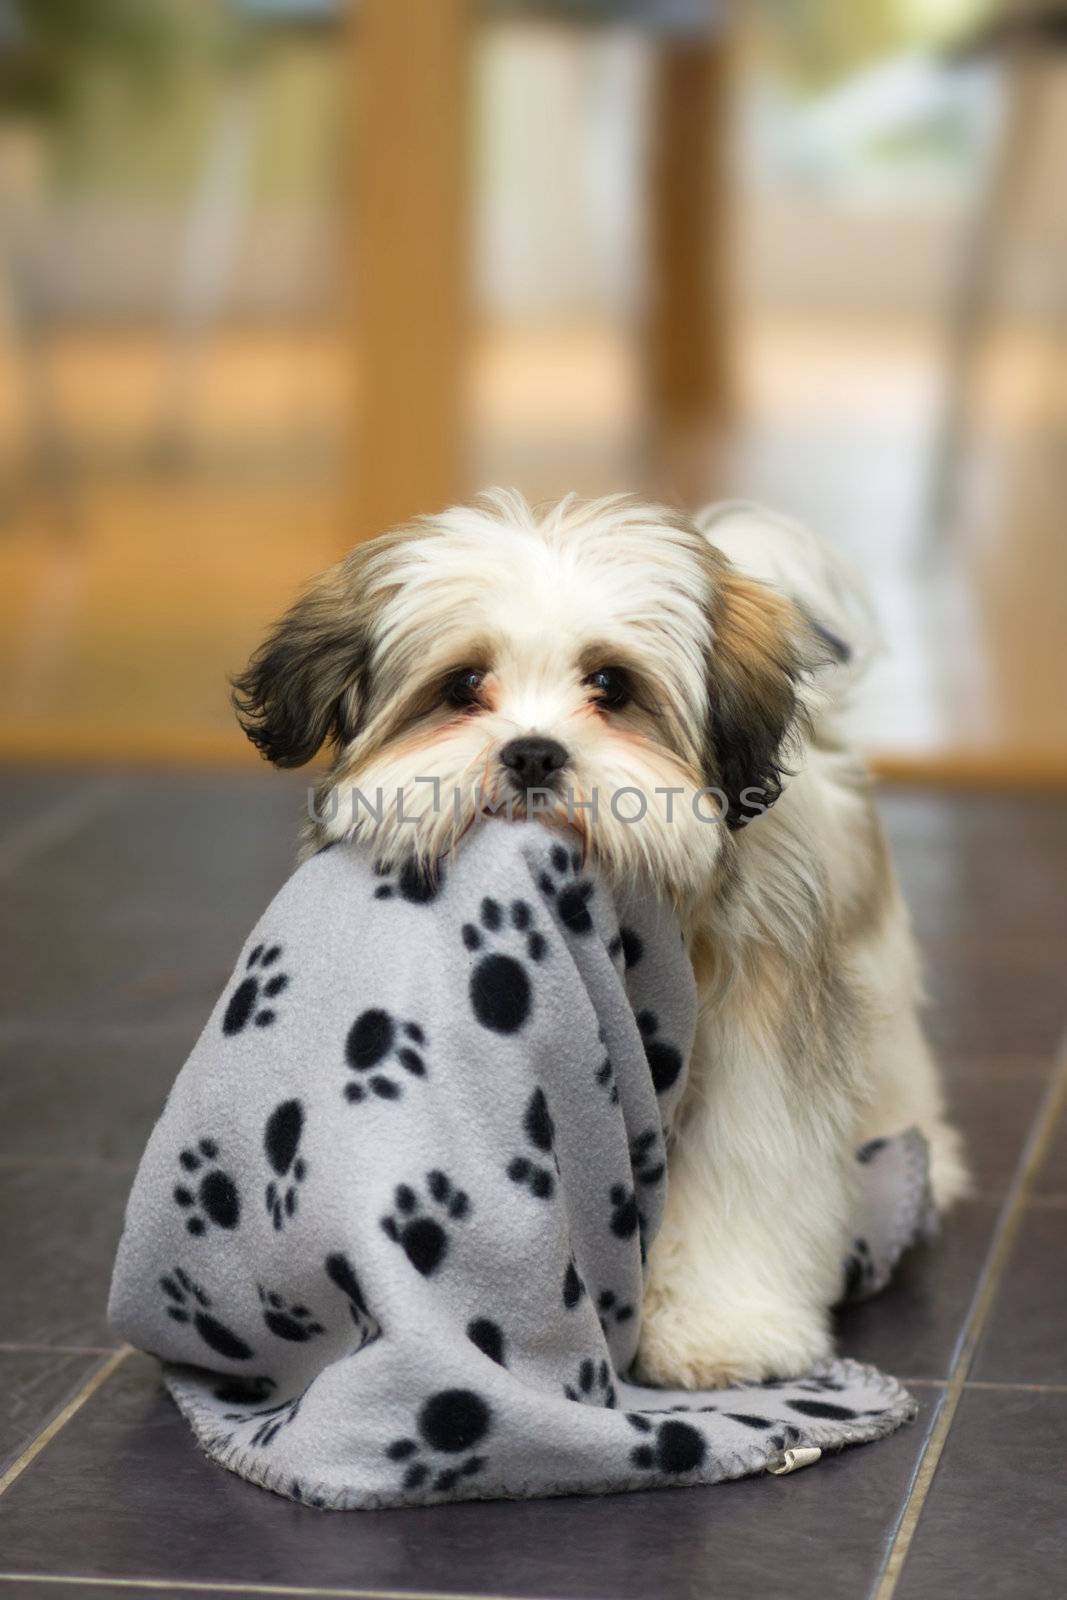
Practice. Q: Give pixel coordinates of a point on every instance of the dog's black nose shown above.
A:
(531, 761)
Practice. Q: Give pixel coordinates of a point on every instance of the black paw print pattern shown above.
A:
(450, 1424)
(209, 1195)
(605, 1073)
(664, 1061)
(625, 1218)
(294, 1323)
(342, 1275)
(258, 983)
(415, 882)
(784, 1435)
(271, 1419)
(827, 1410)
(592, 1385)
(422, 1236)
(303, 1498)
(377, 1043)
(501, 994)
(571, 894)
(281, 1141)
(811, 1385)
(860, 1271)
(628, 945)
(540, 1132)
(673, 1447)
(238, 1391)
(748, 1419)
(611, 1310)
(188, 1302)
(573, 1288)
(646, 1158)
(488, 1337)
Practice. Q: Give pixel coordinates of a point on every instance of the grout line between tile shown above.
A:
(1008, 1225)
(73, 1406)
(56, 825)
(61, 1030)
(985, 1383)
(188, 1586)
(67, 1163)
(57, 1349)
(1016, 1388)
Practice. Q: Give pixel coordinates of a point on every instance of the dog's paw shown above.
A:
(949, 1178)
(690, 1347)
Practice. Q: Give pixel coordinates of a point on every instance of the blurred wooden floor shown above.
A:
(120, 622)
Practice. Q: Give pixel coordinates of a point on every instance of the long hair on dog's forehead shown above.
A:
(643, 667)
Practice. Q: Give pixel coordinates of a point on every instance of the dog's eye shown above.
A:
(611, 687)
(462, 688)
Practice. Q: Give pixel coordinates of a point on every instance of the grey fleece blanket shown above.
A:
(388, 1234)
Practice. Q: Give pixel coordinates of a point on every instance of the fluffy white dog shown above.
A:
(668, 687)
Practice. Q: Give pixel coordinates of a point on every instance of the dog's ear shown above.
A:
(761, 648)
(309, 680)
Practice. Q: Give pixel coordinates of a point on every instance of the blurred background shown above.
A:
(275, 274)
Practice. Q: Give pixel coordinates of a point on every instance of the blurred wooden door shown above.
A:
(411, 65)
(410, 259)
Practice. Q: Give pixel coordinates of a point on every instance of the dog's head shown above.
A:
(598, 664)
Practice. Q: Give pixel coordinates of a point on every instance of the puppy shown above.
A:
(669, 688)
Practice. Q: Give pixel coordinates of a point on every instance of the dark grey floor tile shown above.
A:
(29, 794)
(91, 970)
(1025, 1340)
(993, 1526)
(993, 1101)
(972, 862)
(911, 1329)
(34, 1384)
(59, 1228)
(983, 875)
(171, 839)
(122, 1491)
(991, 997)
(141, 916)
(70, 1094)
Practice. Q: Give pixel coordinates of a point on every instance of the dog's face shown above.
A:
(599, 665)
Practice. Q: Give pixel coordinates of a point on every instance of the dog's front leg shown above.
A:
(749, 1258)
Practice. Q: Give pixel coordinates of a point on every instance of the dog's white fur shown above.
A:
(727, 626)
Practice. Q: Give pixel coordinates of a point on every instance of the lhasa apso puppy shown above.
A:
(670, 688)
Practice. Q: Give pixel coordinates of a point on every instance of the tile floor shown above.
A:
(122, 901)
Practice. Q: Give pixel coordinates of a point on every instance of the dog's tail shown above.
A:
(809, 571)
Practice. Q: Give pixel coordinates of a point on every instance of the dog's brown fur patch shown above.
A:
(309, 681)
(761, 646)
